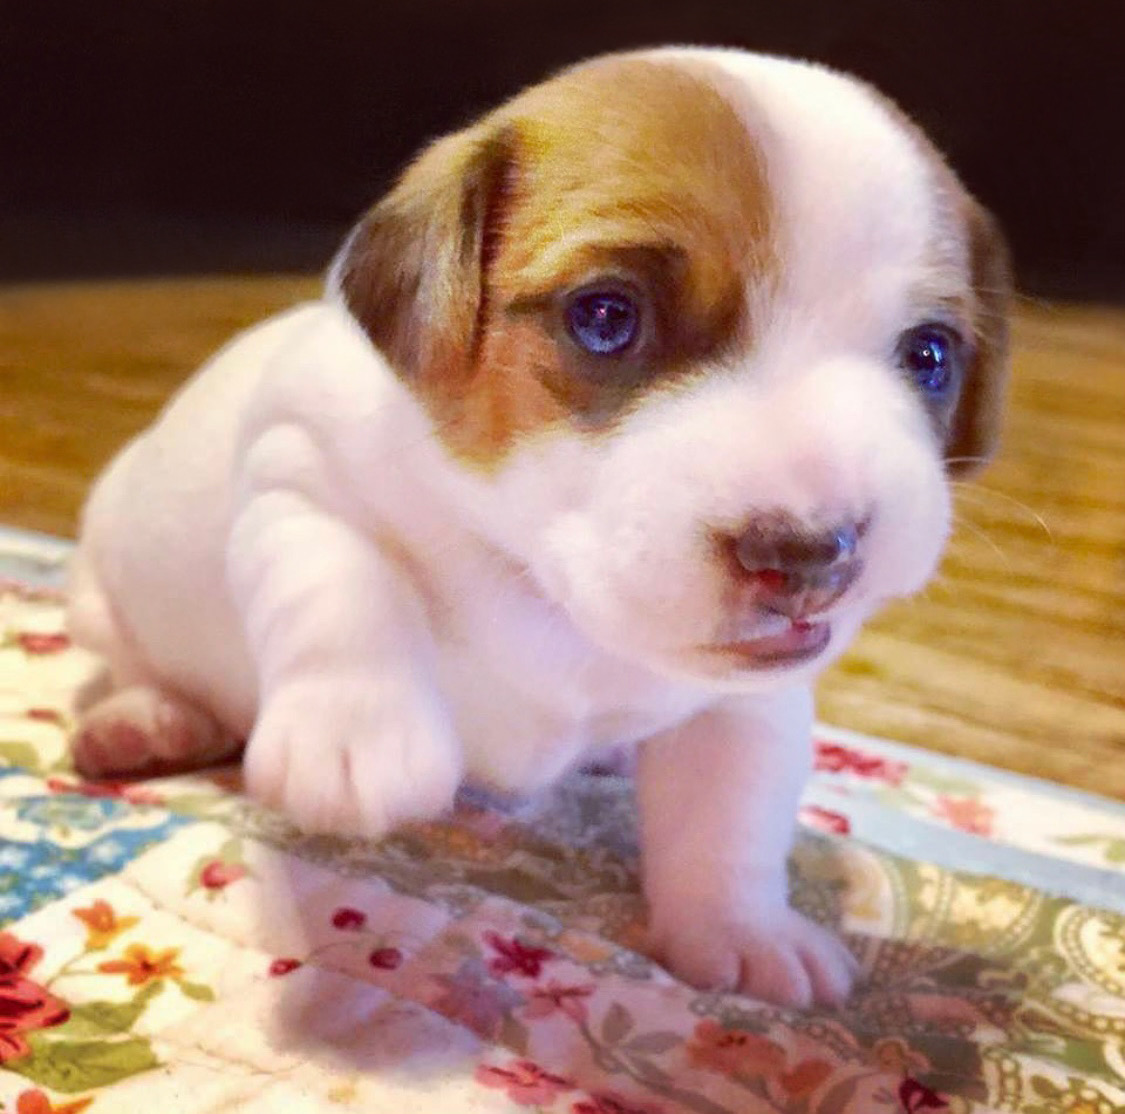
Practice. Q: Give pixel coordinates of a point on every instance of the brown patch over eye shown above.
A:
(631, 172)
(668, 336)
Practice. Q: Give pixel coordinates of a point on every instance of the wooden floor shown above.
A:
(1015, 656)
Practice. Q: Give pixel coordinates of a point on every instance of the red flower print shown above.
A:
(217, 875)
(118, 790)
(283, 966)
(35, 1102)
(546, 1000)
(607, 1103)
(915, 1096)
(17, 957)
(836, 759)
(967, 814)
(741, 1053)
(805, 1078)
(385, 959)
(825, 820)
(526, 1083)
(25, 1006)
(514, 956)
(734, 1051)
(46, 715)
(348, 919)
(41, 642)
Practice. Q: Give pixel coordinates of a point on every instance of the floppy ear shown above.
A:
(975, 432)
(412, 270)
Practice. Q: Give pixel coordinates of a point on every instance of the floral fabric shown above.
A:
(168, 946)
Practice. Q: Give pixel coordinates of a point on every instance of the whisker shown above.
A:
(973, 528)
(967, 487)
(966, 460)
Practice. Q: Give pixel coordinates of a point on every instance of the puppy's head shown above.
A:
(710, 331)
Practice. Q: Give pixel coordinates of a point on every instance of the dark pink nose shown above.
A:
(796, 570)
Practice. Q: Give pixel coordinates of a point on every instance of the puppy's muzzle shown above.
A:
(797, 571)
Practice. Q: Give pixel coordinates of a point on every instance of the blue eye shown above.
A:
(932, 355)
(603, 322)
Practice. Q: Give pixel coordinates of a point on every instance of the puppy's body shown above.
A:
(527, 692)
(438, 525)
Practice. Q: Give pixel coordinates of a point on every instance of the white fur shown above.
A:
(290, 548)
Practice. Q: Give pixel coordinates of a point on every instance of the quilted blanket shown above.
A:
(169, 947)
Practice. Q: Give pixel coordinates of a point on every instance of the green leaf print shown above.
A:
(22, 755)
(1113, 852)
(71, 1066)
(100, 1019)
(617, 1024)
(196, 991)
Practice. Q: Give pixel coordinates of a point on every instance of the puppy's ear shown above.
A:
(975, 433)
(412, 272)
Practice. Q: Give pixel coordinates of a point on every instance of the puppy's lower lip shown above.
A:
(800, 642)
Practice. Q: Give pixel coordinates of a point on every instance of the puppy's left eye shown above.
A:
(933, 355)
(603, 322)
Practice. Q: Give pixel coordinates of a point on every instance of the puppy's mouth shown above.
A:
(797, 641)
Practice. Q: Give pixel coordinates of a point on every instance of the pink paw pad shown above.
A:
(143, 730)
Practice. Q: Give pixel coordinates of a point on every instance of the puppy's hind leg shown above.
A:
(128, 722)
(142, 729)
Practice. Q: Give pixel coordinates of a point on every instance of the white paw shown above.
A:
(772, 953)
(352, 755)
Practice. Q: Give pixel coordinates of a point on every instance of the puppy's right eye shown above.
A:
(603, 322)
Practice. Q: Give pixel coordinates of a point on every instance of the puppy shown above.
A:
(620, 413)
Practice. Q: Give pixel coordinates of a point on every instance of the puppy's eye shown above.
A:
(932, 354)
(603, 322)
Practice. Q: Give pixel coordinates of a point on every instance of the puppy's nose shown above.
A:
(795, 570)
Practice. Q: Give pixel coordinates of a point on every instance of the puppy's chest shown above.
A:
(531, 696)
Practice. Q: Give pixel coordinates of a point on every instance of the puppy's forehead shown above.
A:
(864, 204)
(635, 150)
(771, 175)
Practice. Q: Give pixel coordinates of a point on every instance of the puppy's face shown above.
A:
(709, 330)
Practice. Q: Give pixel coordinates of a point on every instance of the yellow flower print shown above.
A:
(142, 965)
(103, 925)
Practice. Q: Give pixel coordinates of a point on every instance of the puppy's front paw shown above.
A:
(772, 953)
(354, 756)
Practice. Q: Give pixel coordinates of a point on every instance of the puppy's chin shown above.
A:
(776, 654)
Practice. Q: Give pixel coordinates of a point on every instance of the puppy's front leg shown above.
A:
(351, 734)
(718, 799)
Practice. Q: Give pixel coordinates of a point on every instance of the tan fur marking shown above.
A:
(975, 435)
(967, 236)
(625, 167)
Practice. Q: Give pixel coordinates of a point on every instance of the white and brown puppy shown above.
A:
(621, 412)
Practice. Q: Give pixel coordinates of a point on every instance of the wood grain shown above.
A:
(1014, 656)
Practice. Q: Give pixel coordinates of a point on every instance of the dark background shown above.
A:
(177, 136)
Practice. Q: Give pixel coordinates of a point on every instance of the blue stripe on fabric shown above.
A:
(907, 837)
(36, 873)
(38, 560)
